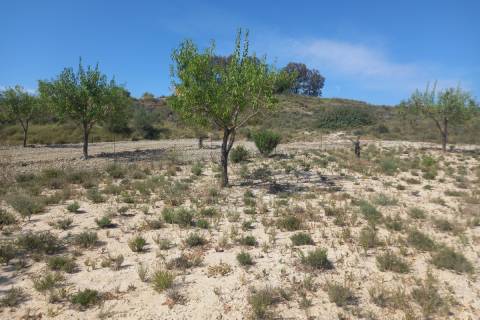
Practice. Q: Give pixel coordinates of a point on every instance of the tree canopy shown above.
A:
(307, 81)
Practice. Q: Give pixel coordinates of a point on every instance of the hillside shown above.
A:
(297, 118)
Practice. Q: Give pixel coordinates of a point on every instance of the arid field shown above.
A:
(308, 233)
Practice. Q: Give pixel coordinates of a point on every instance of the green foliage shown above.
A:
(7, 252)
(244, 258)
(137, 243)
(26, 204)
(239, 154)
(317, 259)
(12, 297)
(391, 262)
(6, 218)
(73, 207)
(420, 241)
(181, 216)
(104, 222)
(368, 238)
(301, 239)
(85, 96)
(427, 295)
(339, 294)
(162, 280)
(194, 240)
(61, 263)
(86, 239)
(266, 141)
(260, 300)
(40, 242)
(48, 281)
(345, 118)
(289, 223)
(248, 241)
(86, 298)
(370, 213)
(95, 195)
(447, 258)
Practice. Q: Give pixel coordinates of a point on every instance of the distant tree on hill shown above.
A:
(85, 96)
(448, 107)
(225, 97)
(307, 82)
(148, 96)
(20, 106)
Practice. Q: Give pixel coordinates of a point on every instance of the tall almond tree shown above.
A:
(85, 96)
(20, 106)
(225, 96)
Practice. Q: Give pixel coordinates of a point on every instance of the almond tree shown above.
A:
(225, 96)
(84, 96)
(448, 107)
(20, 106)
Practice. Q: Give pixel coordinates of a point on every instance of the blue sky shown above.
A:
(376, 51)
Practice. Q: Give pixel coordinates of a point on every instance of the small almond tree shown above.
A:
(85, 96)
(20, 106)
(446, 108)
(225, 96)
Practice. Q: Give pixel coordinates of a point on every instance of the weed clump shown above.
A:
(317, 259)
(447, 258)
(266, 141)
(301, 239)
(162, 280)
(391, 262)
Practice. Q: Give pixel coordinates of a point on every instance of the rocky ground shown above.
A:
(308, 233)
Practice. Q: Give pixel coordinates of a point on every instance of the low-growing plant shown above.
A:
(86, 298)
(142, 271)
(239, 154)
(248, 241)
(261, 300)
(113, 262)
(339, 294)
(6, 218)
(289, 223)
(197, 169)
(202, 223)
(181, 216)
(48, 281)
(420, 241)
(208, 212)
(162, 280)
(244, 258)
(427, 296)
(86, 239)
(8, 251)
(26, 205)
(95, 195)
(389, 261)
(301, 239)
(266, 141)
(12, 297)
(370, 213)
(417, 213)
(194, 240)
(73, 207)
(317, 259)
(40, 242)
(104, 222)
(368, 238)
(137, 243)
(448, 258)
(61, 263)
(64, 224)
(384, 200)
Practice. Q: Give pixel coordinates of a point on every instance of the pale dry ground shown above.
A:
(306, 187)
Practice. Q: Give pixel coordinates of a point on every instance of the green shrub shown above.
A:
(202, 223)
(95, 195)
(301, 239)
(40, 242)
(194, 240)
(317, 259)
(208, 212)
(197, 169)
(370, 213)
(244, 258)
(391, 262)
(266, 141)
(86, 298)
(73, 207)
(248, 241)
(429, 299)
(61, 263)
(64, 223)
(181, 216)
(389, 166)
(345, 117)
(86, 239)
(104, 222)
(162, 280)
(116, 171)
(382, 199)
(12, 297)
(137, 243)
(339, 294)
(7, 252)
(6, 218)
(289, 223)
(420, 241)
(48, 281)
(368, 238)
(260, 301)
(239, 154)
(447, 258)
(416, 213)
(26, 205)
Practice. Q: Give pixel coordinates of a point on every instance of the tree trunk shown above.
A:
(85, 141)
(25, 133)
(200, 142)
(224, 159)
(445, 135)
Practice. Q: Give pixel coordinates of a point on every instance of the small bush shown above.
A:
(368, 238)
(208, 212)
(428, 297)
(12, 297)
(289, 223)
(61, 263)
(417, 213)
(41, 242)
(48, 281)
(7, 252)
(73, 207)
(86, 298)
(197, 169)
(420, 241)
(116, 171)
(244, 258)
(95, 195)
(202, 223)
(391, 262)
(345, 117)
(26, 205)
(137, 243)
(339, 294)
(64, 224)
(317, 259)
(181, 216)
(370, 213)
(113, 262)
(266, 141)
(239, 154)
(104, 222)
(385, 200)
(6, 218)
(447, 258)
(260, 301)
(248, 241)
(86, 239)
(162, 280)
(194, 240)
(301, 239)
